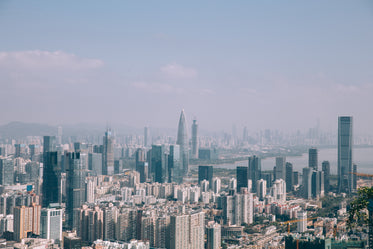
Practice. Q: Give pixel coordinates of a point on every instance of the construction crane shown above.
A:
(293, 221)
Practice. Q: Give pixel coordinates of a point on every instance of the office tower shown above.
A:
(75, 186)
(51, 174)
(245, 134)
(213, 236)
(175, 165)
(354, 177)
(205, 173)
(6, 171)
(51, 224)
(302, 223)
(316, 190)
(269, 177)
(195, 139)
(187, 231)
(295, 178)
(182, 140)
(345, 154)
(59, 135)
(26, 221)
(147, 139)
(141, 164)
(307, 183)
(49, 144)
(280, 167)
(326, 170)
(159, 164)
(254, 171)
(261, 189)
(108, 154)
(95, 163)
(216, 185)
(289, 177)
(242, 177)
(312, 159)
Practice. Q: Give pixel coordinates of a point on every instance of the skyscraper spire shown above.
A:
(182, 141)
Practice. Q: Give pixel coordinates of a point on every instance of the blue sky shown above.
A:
(263, 64)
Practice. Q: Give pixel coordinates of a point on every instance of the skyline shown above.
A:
(261, 65)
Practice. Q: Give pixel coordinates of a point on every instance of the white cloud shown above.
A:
(46, 60)
(177, 71)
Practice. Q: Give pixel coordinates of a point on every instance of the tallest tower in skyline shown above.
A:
(182, 141)
(345, 154)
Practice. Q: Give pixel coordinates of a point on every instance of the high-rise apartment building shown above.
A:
(238, 209)
(254, 171)
(213, 236)
(195, 139)
(261, 189)
(345, 144)
(182, 141)
(108, 153)
(312, 158)
(302, 223)
(187, 231)
(26, 221)
(51, 223)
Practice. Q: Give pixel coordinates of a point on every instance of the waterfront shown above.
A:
(363, 157)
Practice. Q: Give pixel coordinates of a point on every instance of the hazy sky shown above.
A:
(263, 64)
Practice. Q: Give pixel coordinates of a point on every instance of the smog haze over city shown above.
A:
(284, 65)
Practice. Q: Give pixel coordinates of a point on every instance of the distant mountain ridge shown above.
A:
(22, 129)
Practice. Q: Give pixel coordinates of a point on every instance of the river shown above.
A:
(362, 157)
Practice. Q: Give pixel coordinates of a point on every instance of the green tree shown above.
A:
(357, 213)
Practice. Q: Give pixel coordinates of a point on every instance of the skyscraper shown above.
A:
(51, 174)
(108, 154)
(242, 177)
(205, 173)
(280, 167)
(195, 139)
(312, 158)
(147, 141)
(49, 144)
(6, 171)
(182, 140)
(175, 164)
(289, 177)
(159, 164)
(141, 164)
(345, 154)
(75, 186)
(254, 171)
(307, 183)
(326, 171)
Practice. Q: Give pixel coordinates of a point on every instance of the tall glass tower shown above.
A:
(182, 141)
(345, 183)
(108, 154)
(195, 139)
